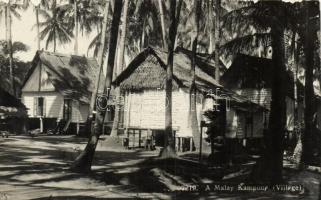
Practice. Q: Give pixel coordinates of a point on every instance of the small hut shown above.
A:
(58, 88)
(143, 83)
(252, 77)
(13, 113)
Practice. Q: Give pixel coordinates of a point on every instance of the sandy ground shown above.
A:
(37, 168)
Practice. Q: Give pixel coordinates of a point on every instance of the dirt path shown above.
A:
(37, 168)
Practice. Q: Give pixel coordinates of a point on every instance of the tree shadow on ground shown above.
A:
(70, 198)
(47, 166)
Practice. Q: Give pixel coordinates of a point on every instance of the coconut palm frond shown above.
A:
(246, 43)
(43, 13)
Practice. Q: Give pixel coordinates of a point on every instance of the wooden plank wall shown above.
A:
(53, 101)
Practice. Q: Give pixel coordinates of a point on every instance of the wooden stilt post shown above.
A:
(139, 138)
(41, 124)
(191, 144)
(201, 141)
(134, 138)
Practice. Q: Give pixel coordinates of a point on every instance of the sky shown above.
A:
(24, 30)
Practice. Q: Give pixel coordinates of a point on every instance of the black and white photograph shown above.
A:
(160, 99)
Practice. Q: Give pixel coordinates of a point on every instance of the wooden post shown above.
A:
(181, 144)
(139, 137)
(78, 116)
(41, 124)
(191, 144)
(201, 143)
(177, 144)
(134, 138)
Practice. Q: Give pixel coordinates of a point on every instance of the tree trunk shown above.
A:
(162, 18)
(84, 161)
(9, 24)
(37, 23)
(76, 27)
(6, 21)
(210, 25)
(100, 60)
(217, 40)
(192, 111)
(142, 41)
(298, 148)
(169, 149)
(320, 78)
(269, 167)
(120, 66)
(55, 42)
(309, 48)
(277, 121)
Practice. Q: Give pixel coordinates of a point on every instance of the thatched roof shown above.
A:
(10, 105)
(72, 76)
(148, 71)
(252, 72)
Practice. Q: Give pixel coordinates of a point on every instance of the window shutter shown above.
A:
(35, 105)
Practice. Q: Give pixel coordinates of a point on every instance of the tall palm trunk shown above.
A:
(298, 148)
(120, 66)
(169, 149)
(210, 25)
(217, 39)
(142, 41)
(192, 111)
(162, 18)
(269, 168)
(100, 59)
(38, 31)
(309, 48)
(76, 27)
(6, 21)
(320, 76)
(8, 27)
(84, 161)
(55, 42)
(277, 120)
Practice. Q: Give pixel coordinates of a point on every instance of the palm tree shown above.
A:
(217, 39)
(162, 17)
(84, 161)
(100, 57)
(304, 37)
(270, 18)
(5, 67)
(98, 11)
(54, 28)
(120, 63)
(169, 149)
(38, 4)
(10, 9)
(152, 13)
(310, 38)
(81, 16)
(192, 110)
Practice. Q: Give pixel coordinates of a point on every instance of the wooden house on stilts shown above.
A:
(143, 102)
(59, 87)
